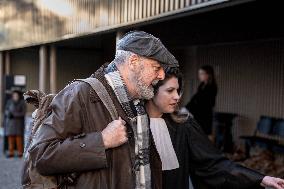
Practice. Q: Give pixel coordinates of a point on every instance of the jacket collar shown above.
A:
(99, 74)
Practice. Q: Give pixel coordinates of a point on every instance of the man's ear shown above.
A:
(133, 61)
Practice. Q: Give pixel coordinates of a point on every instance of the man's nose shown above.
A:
(161, 75)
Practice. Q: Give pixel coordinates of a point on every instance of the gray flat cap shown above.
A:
(145, 44)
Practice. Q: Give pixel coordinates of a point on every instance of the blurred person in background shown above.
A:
(202, 103)
(15, 123)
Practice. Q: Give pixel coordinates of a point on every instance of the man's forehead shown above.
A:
(155, 63)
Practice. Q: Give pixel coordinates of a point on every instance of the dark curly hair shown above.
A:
(169, 73)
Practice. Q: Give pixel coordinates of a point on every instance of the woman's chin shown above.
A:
(170, 110)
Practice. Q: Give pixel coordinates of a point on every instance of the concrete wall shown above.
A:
(29, 22)
(26, 62)
(71, 64)
(75, 64)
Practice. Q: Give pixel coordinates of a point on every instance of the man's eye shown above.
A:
(156, 68)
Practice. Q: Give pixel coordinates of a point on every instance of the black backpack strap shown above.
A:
(102, 93)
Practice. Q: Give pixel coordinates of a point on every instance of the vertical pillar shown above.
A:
(1, 86)
(53, 70)
(42, 68)
(7, 63)
(119, 35)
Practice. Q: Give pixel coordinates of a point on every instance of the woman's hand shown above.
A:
(272, 182)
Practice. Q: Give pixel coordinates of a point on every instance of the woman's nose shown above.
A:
(176, 96)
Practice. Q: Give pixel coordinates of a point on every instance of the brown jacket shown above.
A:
(71, 141)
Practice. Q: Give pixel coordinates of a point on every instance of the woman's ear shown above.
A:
(133, 61)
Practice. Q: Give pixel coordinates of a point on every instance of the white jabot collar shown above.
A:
(164, 144)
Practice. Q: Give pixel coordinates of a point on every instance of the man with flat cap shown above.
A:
(80, 135)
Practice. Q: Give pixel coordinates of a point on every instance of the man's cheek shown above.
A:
(155, 82)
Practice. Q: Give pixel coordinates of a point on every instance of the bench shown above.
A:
(269, 134)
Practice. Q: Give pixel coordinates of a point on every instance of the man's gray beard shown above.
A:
(144, 91)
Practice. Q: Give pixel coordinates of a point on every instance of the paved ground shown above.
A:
(9, 170)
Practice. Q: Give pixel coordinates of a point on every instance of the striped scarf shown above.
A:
(135, 111)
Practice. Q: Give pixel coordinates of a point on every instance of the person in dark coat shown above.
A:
(202, 103)
(15, 123)
(184, 149)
